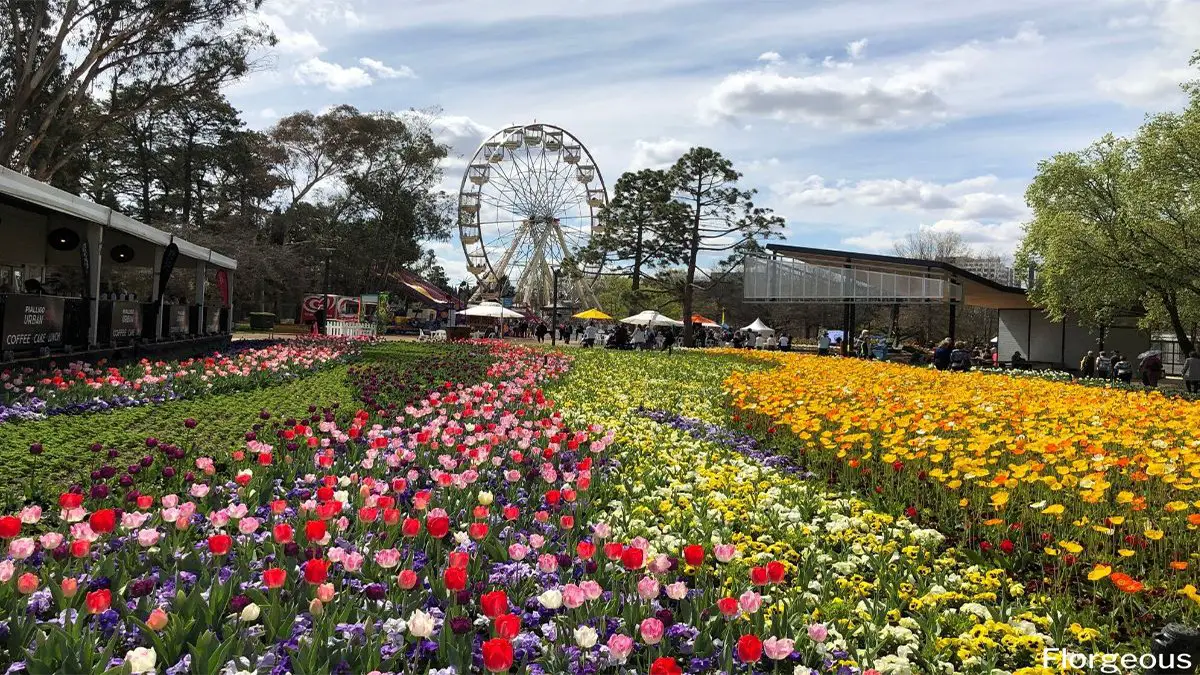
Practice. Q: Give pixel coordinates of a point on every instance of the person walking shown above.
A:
(1152, 369)
(785, 343)
(668, 341)
(1122, 369)
(1087, 365)
(1191, 373)
(1104, 363)
(639, 337)
(540, 332)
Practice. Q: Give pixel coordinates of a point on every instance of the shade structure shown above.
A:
(492, 310)
(759, 327)
(705, 321)
(592, 314)
(651, 318)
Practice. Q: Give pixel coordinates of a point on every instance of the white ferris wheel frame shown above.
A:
(535, 243)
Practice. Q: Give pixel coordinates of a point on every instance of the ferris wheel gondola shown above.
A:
(528, 203)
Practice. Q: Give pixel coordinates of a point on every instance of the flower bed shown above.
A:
(83, 387)
(1089, 491)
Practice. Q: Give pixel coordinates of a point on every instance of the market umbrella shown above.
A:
(759, 327)
(594, 314)
(1152, 352)
(705, 321)
(651, 318)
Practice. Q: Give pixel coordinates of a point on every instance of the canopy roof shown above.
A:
(419, 289)
(759, 327)
(804, 274)
(593, 314)
(21, 190)
(492, 310)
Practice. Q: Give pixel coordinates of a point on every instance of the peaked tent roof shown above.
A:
(422, 290)
(759, 327)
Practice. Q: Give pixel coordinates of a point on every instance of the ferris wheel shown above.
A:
(528, 203)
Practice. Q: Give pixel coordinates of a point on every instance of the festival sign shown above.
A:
(32, 322)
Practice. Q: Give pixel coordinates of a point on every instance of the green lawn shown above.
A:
(221, 423)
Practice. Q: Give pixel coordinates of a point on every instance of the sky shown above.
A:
(859, 121)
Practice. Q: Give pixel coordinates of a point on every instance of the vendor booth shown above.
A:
(79, 278)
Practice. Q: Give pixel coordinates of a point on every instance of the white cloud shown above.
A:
(907, 92)
(963, 200)
(770, 57)
(386, 72)
(1154, 78)
(878, 241)
(857, 49)
(298, 43)
(331, 75)
(660, 154)
(268, 114)
(1001, 237)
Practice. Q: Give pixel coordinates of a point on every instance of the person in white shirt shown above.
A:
(760, 342)
(823, 343)
(1191, 373)
(771, 342)
(785, 343)
(639, 336)
(589, 334)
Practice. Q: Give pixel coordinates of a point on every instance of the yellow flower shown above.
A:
(1054, 510)
(1153, 535)
(1099, 572)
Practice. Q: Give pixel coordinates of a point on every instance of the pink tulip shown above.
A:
(31, 514)
(517, 551)
(677, 590)
(536, 541)
(817, 632)
(620, 647)
(660, 564)
(574, 596)
(247, 525)
(353, 561)
(647, 588)
(325, 592)
(547, 563)
(21, 548)
(387, 558)
(592, 589)
(724, 552)
(778, 649)
(602, 530)
(651, 630)
(7, 569)
(147, 537)
(750, 602)
(51, 540)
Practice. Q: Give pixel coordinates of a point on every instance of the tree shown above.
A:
(719, 217)
(925, 244)
(55, 54)
(631, 242)
(1114, 226)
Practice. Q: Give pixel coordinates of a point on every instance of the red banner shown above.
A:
(223, 286)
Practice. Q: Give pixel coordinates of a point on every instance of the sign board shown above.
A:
(32, 322)
(175, 319)
(170, 256)
(120, 321)
(223, 286)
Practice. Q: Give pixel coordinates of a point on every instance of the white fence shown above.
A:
(349, 328)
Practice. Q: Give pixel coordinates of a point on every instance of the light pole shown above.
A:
(324, 314)
(554, 318)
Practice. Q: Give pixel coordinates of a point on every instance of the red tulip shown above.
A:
(693, 555)
(585, 550)
(633, 558)
(367, 514)
(553, 497)
(274, 577)
(219, 544)
(758, 576)
(144, 502)
(493, 604)
(1007, 546)
(103, 521)
(80, 548)
(665, 665)
(455, 578)
(438, 526)
(776, 571)
(391, 516)
(70, 500)
(10, 526)
(477, 530)
(508, 626)
(613, 550)
(98, 601)
(315, 530)
(497, 655)
(283, 533)
(407, 579)
(749, 648)
(728, 606)
(411, 527)
(460, 559)
(511, 512)
(316, 571)
(566, 522)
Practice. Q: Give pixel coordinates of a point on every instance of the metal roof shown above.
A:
(29, 190)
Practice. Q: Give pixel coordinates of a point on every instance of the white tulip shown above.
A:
(420, 624)
(551, 599)
(250, 613)
(585, 637)
(141, 660)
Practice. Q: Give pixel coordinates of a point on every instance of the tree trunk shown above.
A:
(186, 183)
(1186, 345)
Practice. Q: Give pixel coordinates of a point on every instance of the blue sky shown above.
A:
(857, 120)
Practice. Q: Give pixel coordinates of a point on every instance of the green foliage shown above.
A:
(222, 422)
